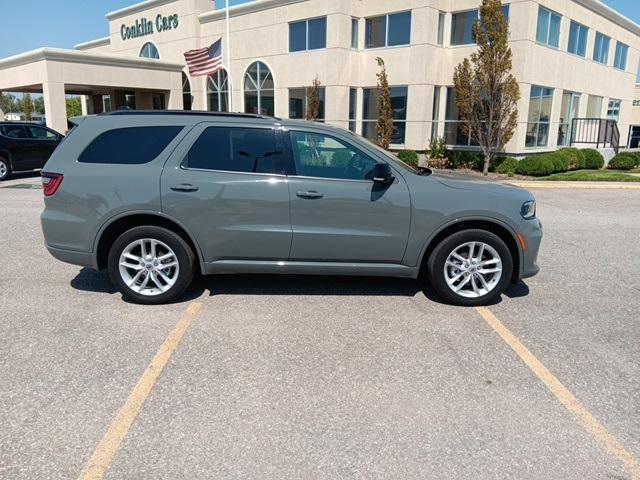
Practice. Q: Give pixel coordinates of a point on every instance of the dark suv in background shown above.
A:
(25, 146)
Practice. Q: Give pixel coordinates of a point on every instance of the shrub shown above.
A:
(593, 159)
(410, 157)
(464, 159)
(437, 148)
(574, 157)
(536, 166)
(624, 161)
(560, 161)
(507, 166)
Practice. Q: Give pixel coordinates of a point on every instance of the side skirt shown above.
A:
(309, 268)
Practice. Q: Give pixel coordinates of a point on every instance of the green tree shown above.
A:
(38, 104)
(74, 108)
(384, 126)
(486, 92)
(313, 100)
(27, 106)
(7, 102)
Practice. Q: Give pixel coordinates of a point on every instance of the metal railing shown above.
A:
(600, 132)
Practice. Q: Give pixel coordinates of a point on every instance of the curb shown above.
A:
(579, 185)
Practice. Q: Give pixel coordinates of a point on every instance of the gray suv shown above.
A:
(153, 196)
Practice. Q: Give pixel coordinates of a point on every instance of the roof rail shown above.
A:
(189, 112)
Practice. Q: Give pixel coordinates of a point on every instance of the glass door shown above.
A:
(568, 111)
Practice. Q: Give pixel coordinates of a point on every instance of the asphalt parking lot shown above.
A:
(337, 378)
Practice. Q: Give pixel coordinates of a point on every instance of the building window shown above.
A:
(299, 103)
(601, 48)
(370, 98)
(259, 94)
(353, 101)
(354, 33)
(187, 99)
(388, 30)
(540, 102)
(454, 133)
(308, 35)
(548, 28)
(435, 112)
(620, 60)
(578, 39)
(594, 106)
(568, 111)
(462, 25)
(638, 74)
(106, 103)
(613, 110)
(440, 28)
(149, 50)
(218, 91)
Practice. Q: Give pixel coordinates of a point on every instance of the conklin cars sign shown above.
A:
(144, 27)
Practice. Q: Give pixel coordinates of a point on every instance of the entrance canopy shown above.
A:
(55, 72)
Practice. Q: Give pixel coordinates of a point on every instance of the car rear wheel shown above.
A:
(5, 169)
(470, 268)
(150, 265)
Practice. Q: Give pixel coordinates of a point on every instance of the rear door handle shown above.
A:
(184, 187)
(309, 194)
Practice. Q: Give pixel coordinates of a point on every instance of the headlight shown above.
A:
(528, 210)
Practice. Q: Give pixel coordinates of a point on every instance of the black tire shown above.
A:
(438, 258)
(5, 169)
(183, 253)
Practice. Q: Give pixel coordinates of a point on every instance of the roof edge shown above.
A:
(98, 42)
(244, 8)
(611, 14)
(74, 56)
(138, 7)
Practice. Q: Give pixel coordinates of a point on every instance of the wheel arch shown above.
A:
(117, 226)
(6, 154)
(496, 227)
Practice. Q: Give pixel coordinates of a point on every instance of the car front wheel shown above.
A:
(150, 265)
(470, 268)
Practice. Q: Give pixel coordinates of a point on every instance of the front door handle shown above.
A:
(184, 187)
(310, 194)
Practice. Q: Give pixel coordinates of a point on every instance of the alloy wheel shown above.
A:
(473, 269)
(148, 267)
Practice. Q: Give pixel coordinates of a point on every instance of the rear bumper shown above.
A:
(83, 259)
(531, 230)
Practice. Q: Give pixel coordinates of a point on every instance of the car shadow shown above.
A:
(23, 175)
(262, 284)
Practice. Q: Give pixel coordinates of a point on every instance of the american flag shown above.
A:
(205, 61)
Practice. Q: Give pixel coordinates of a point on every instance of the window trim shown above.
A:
(548, 123)
(306, 34)
(586, 43)
(626, 56)
(355, 21)
(386, 30)
(593, 56)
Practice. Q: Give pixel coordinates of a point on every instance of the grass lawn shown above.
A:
(593, 176)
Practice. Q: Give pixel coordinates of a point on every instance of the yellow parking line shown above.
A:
(108, 446)
(571, 403)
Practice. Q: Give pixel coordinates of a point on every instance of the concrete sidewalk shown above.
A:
(575, 185)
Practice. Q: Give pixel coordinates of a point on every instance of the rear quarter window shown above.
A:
(129, 146)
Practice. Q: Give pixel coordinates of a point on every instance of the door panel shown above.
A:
(232, 214)
(43, 143)
(349, 219)
(17, 142)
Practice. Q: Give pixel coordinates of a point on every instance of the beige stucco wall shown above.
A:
(262, 34)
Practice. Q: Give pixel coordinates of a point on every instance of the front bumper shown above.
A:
(531, 231)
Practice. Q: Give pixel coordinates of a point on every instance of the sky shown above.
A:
(31, 24)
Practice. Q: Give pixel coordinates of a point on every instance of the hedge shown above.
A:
(624, 161)
(593, 159)
(507, 166)
(538, 166)
(410, 157)
(574, 158)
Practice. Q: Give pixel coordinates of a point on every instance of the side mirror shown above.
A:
(382, 174)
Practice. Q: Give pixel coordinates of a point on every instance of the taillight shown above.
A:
(50, 183)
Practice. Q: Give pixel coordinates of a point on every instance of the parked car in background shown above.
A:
(152, 196)
(25, 146)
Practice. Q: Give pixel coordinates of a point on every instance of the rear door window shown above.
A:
(129, 146)
(13, 131)
(41, 133)
(247, 150)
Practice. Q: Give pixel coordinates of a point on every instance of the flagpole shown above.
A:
(228, 49)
